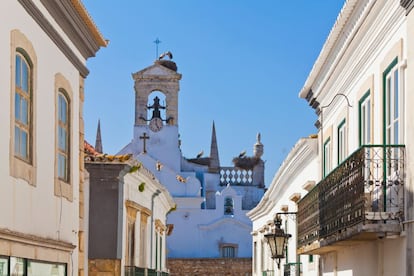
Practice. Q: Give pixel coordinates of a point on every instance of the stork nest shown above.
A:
(246, 163)
(168, 63)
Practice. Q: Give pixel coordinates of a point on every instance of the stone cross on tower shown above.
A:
(144, 137)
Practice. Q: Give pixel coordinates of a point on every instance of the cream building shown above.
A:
(128, 210)
(359, 216)
(43, 48)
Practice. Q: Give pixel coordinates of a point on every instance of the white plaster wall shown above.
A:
(383, 257)
(197, 233)
(35, 210)
(292, 175)
(162, 145)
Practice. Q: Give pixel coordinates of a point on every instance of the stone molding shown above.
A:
(61, 187)
(131, 205)
(20, 168)
(75, 27)
(27, 239)
(54, 35)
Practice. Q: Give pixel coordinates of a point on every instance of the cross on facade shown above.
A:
(157, 41)
(144, 137)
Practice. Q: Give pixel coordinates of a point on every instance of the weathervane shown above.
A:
(157, 41)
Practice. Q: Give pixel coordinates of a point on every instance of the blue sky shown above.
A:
(243, 64)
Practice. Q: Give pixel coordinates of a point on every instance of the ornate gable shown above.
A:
(157, 70)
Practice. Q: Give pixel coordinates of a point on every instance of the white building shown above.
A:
(44, 46)
(212, 201)
(359, 216)
(295, 177)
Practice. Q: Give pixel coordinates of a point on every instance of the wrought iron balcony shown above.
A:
(363, 198)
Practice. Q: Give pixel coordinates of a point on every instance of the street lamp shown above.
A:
(277, 241)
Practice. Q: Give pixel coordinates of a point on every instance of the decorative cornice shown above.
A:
(332, 40)
(76, 23)
(33, 240)
(40, 19)
(159, 226)
(138, 207)
(219, 222)
(407, 4)
(80, 8)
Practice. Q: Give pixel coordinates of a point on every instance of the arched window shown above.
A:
(156, 106)
(22, 108)
(228, 206)
(63, 142)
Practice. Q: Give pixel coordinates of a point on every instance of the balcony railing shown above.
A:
(235, 176)
(363, 197)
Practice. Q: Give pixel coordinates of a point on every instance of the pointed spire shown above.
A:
(214, 156)
(98, 143)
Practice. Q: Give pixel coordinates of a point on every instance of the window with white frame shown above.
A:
(342, 141)
(327, 157)
(22, 107)
(365, 120)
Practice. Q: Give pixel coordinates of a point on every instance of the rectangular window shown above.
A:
(228, 252)
(17, 266)
(342, 141)
(22, 109)
(365, 120)
(41, 268)
(63, 137)
(391, 105)
(26, 267)
(4, 266)
(310, 258)
(327, 157)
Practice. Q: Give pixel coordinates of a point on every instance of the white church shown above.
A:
(210, 222)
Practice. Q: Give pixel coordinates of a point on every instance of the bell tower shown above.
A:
(156, 113)
(162, 77)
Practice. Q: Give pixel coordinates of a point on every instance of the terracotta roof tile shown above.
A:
(92, 155)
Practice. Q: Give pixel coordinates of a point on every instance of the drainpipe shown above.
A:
(154, 195)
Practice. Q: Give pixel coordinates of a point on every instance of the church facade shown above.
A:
(210, 219)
